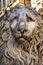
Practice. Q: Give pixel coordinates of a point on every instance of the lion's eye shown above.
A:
(28, 18)
(13, 25)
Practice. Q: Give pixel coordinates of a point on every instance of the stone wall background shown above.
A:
(25, 2)
(37, 4)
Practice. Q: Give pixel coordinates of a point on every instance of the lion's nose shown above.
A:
(22, 26)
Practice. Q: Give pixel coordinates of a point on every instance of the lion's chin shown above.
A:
(22, 37)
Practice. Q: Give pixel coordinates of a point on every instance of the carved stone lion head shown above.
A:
(24, 20)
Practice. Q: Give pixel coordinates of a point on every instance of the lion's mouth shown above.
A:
(22, 35)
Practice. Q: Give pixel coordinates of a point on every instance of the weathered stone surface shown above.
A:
(7, 25)
(22, 37)
(1, 42)
(2, 23)
(5, 36)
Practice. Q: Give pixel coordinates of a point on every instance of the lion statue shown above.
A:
(21, 37)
